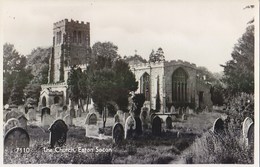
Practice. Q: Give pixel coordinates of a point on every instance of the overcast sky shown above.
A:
(199, 31)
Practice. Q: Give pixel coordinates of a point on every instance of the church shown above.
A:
(164, 83)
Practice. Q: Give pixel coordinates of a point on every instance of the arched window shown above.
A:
(79, 37)
(75, 37)
(44, 101)
(145, 86)
(179, 86)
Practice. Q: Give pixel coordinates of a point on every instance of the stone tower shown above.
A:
(71, 46)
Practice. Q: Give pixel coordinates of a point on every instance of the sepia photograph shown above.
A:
(130, 82)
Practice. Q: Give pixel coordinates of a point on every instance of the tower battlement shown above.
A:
(72, 22)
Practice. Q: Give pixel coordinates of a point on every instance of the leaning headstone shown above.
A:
(138, 123)
(16, 137)
(13, 122)
(156, 126)
(130, 126)
(168, 122)
(187, 110)
(184, 117)
(91, 125)
(118, 133)
(21, 108)
(218, 126)
(31, 114)
(246, 124)
(47, 120)
(116, 118)
(22, 122)
(68, 120)
(58, 133)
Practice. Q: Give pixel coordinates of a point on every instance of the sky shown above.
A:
(198, 31)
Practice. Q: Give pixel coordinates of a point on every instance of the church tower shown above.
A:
(71, 46)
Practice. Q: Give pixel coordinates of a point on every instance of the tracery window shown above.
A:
(145, 86)
(179, 85)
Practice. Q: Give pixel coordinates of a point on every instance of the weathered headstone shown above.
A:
(121, 115)
(45, 110)
(116, 118)
(31, 114)
(156, 126)
(68, 120)
(130, 126)
(246, 124)
(54, 110)
(12, 122)
(11, 114)
(168, 122)
(58, 133)
(218, 126)
(187, 110)
(22, 122)
(91, 125)
(250, 136)
(172, 109)
(21, 108)
(16, 137)
(174, 118)
(138, 123)
(184, 117)
(118, 133)
(47, 120)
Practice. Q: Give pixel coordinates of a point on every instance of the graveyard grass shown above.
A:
(194, 141)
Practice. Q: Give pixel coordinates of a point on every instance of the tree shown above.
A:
(109, 78)
(239, 72)
(134, 59)
(16, 76)
(158, 56)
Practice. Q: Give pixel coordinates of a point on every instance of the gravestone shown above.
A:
(116, 118)
(54, 110)
(250, 136)
(138, 123)
(11, 114)
(156, 126)
(174, 118)
(58, 133)
(187, 110)
(45, 110)
(184, 117)
(72, 113)
(126, 115)
(68, 120)
(246, 124)
(130, 126)
(13, 122)
(22, 122)
(172, 109)
(218, 126)
(144, 119)
(168, 122)
(31, 114)
(118, 133)
(178, 110)
(16, 137)
(91, 125)
(78, 112)
(120, 113)
(47, 120)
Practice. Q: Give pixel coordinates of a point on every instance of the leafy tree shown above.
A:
(158, 56)
(239, 72)
(32, 91)
(135, 59)
(16, 76)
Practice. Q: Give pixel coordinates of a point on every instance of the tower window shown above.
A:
(79, 37)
